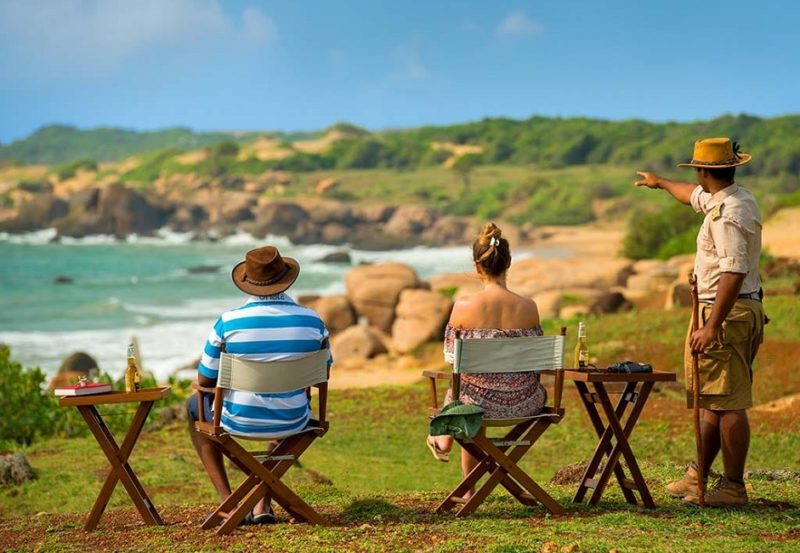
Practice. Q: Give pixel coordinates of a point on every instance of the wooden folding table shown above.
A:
(614, 430)
(118, 455)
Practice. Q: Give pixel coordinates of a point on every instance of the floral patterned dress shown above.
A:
(502, 396)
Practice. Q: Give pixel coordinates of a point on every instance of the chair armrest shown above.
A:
(438, 375)
(433, 376)
(199, 388)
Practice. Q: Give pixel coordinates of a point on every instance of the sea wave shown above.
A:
(33, 238)
(165, 347)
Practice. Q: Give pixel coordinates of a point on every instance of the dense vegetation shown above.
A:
(546, 142)
(31, 414)
(61, 144)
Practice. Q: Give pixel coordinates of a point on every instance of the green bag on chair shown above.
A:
(458, 420)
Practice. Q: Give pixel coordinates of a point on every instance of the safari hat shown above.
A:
(264, 272)
(457, 419)
(717, 153)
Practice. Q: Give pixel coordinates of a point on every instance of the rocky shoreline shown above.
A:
(216, 211)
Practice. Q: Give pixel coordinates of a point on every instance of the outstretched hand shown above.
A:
(650, 180)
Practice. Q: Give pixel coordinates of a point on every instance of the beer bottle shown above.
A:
(131, 372)
(581, 348)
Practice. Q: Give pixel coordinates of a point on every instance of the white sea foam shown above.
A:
(165, 347)
(92, 240)
(34, 238)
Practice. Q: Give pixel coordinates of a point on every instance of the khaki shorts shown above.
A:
(726, 367)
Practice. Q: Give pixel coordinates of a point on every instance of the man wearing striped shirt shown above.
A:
(270, 326)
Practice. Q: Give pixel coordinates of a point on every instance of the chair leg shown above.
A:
(507, 469)
(483, 466)
(253, 488)
(284, 496)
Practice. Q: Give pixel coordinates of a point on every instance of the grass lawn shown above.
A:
(374, 479)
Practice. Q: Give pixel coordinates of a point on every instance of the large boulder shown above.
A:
(14, 469)
(610, 302)
(356, 342)
(679, 294)
(655, 278)
(376, 213)
(126, 211)
(455, 285)
(447, 231)
(280, 219)
(374, 290)
(36, 212)
(421, 315)
(331, 212)
(335, 311)
(79, 362)
(75, 366)
(409, 221)
(113, 209)
(529, 277)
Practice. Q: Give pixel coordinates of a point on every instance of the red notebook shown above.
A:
(83, 389)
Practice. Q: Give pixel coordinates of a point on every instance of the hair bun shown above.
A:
(490, 230)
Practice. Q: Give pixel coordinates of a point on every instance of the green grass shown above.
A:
(373, 477)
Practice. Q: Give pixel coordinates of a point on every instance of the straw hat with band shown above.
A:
(717, 153)
(264, 272)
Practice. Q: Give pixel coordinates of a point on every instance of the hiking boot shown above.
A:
(686, 485)
(724, 494)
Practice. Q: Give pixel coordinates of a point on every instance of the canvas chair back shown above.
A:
(273, 377)
(504, 355)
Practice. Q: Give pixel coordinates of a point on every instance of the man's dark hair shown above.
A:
(725, 174)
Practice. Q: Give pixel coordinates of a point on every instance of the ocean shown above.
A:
(145, 287)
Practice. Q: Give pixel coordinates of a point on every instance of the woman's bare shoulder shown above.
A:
(464, 310)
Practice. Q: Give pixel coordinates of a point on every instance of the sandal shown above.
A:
(265, 518)
(438, 454)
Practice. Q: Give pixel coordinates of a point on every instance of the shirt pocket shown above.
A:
(706, 254)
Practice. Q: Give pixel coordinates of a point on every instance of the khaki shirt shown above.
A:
(729, 240)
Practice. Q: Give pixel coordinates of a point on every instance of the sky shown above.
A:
(306, 64)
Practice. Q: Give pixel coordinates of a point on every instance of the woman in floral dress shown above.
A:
(492, 312)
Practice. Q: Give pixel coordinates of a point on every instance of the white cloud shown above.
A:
(89, 33)
(411, 68)
(516, 23)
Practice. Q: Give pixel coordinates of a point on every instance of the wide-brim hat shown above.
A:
(265, 272)
(717, 153)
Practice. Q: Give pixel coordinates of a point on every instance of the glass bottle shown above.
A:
(581, 348)
(132, 381)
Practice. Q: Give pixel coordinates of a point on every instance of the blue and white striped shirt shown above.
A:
(266, 328)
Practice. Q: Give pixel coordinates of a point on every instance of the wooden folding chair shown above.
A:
(264, 468)
(498, 457)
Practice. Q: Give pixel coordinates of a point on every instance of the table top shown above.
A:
(606, 376)
(147, 394)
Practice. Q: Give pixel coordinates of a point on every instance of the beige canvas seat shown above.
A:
(498, 456)
(265, 468)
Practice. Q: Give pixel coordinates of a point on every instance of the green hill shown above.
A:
(57, 144)
(544, 141)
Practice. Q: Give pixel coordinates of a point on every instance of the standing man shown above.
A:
(731, 325)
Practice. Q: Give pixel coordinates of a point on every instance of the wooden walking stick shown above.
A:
(701, 485)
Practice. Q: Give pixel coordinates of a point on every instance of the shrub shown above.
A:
(27, 412)
(69, 170)
(663, 234)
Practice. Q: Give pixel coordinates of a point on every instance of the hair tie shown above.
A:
(494, 241)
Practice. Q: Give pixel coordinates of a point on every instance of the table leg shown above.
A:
(622, 446)
(120, 468)
(604, 445)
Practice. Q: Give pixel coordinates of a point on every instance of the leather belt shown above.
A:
(750, 296)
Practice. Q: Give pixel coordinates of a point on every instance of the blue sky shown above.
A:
(305, 64)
